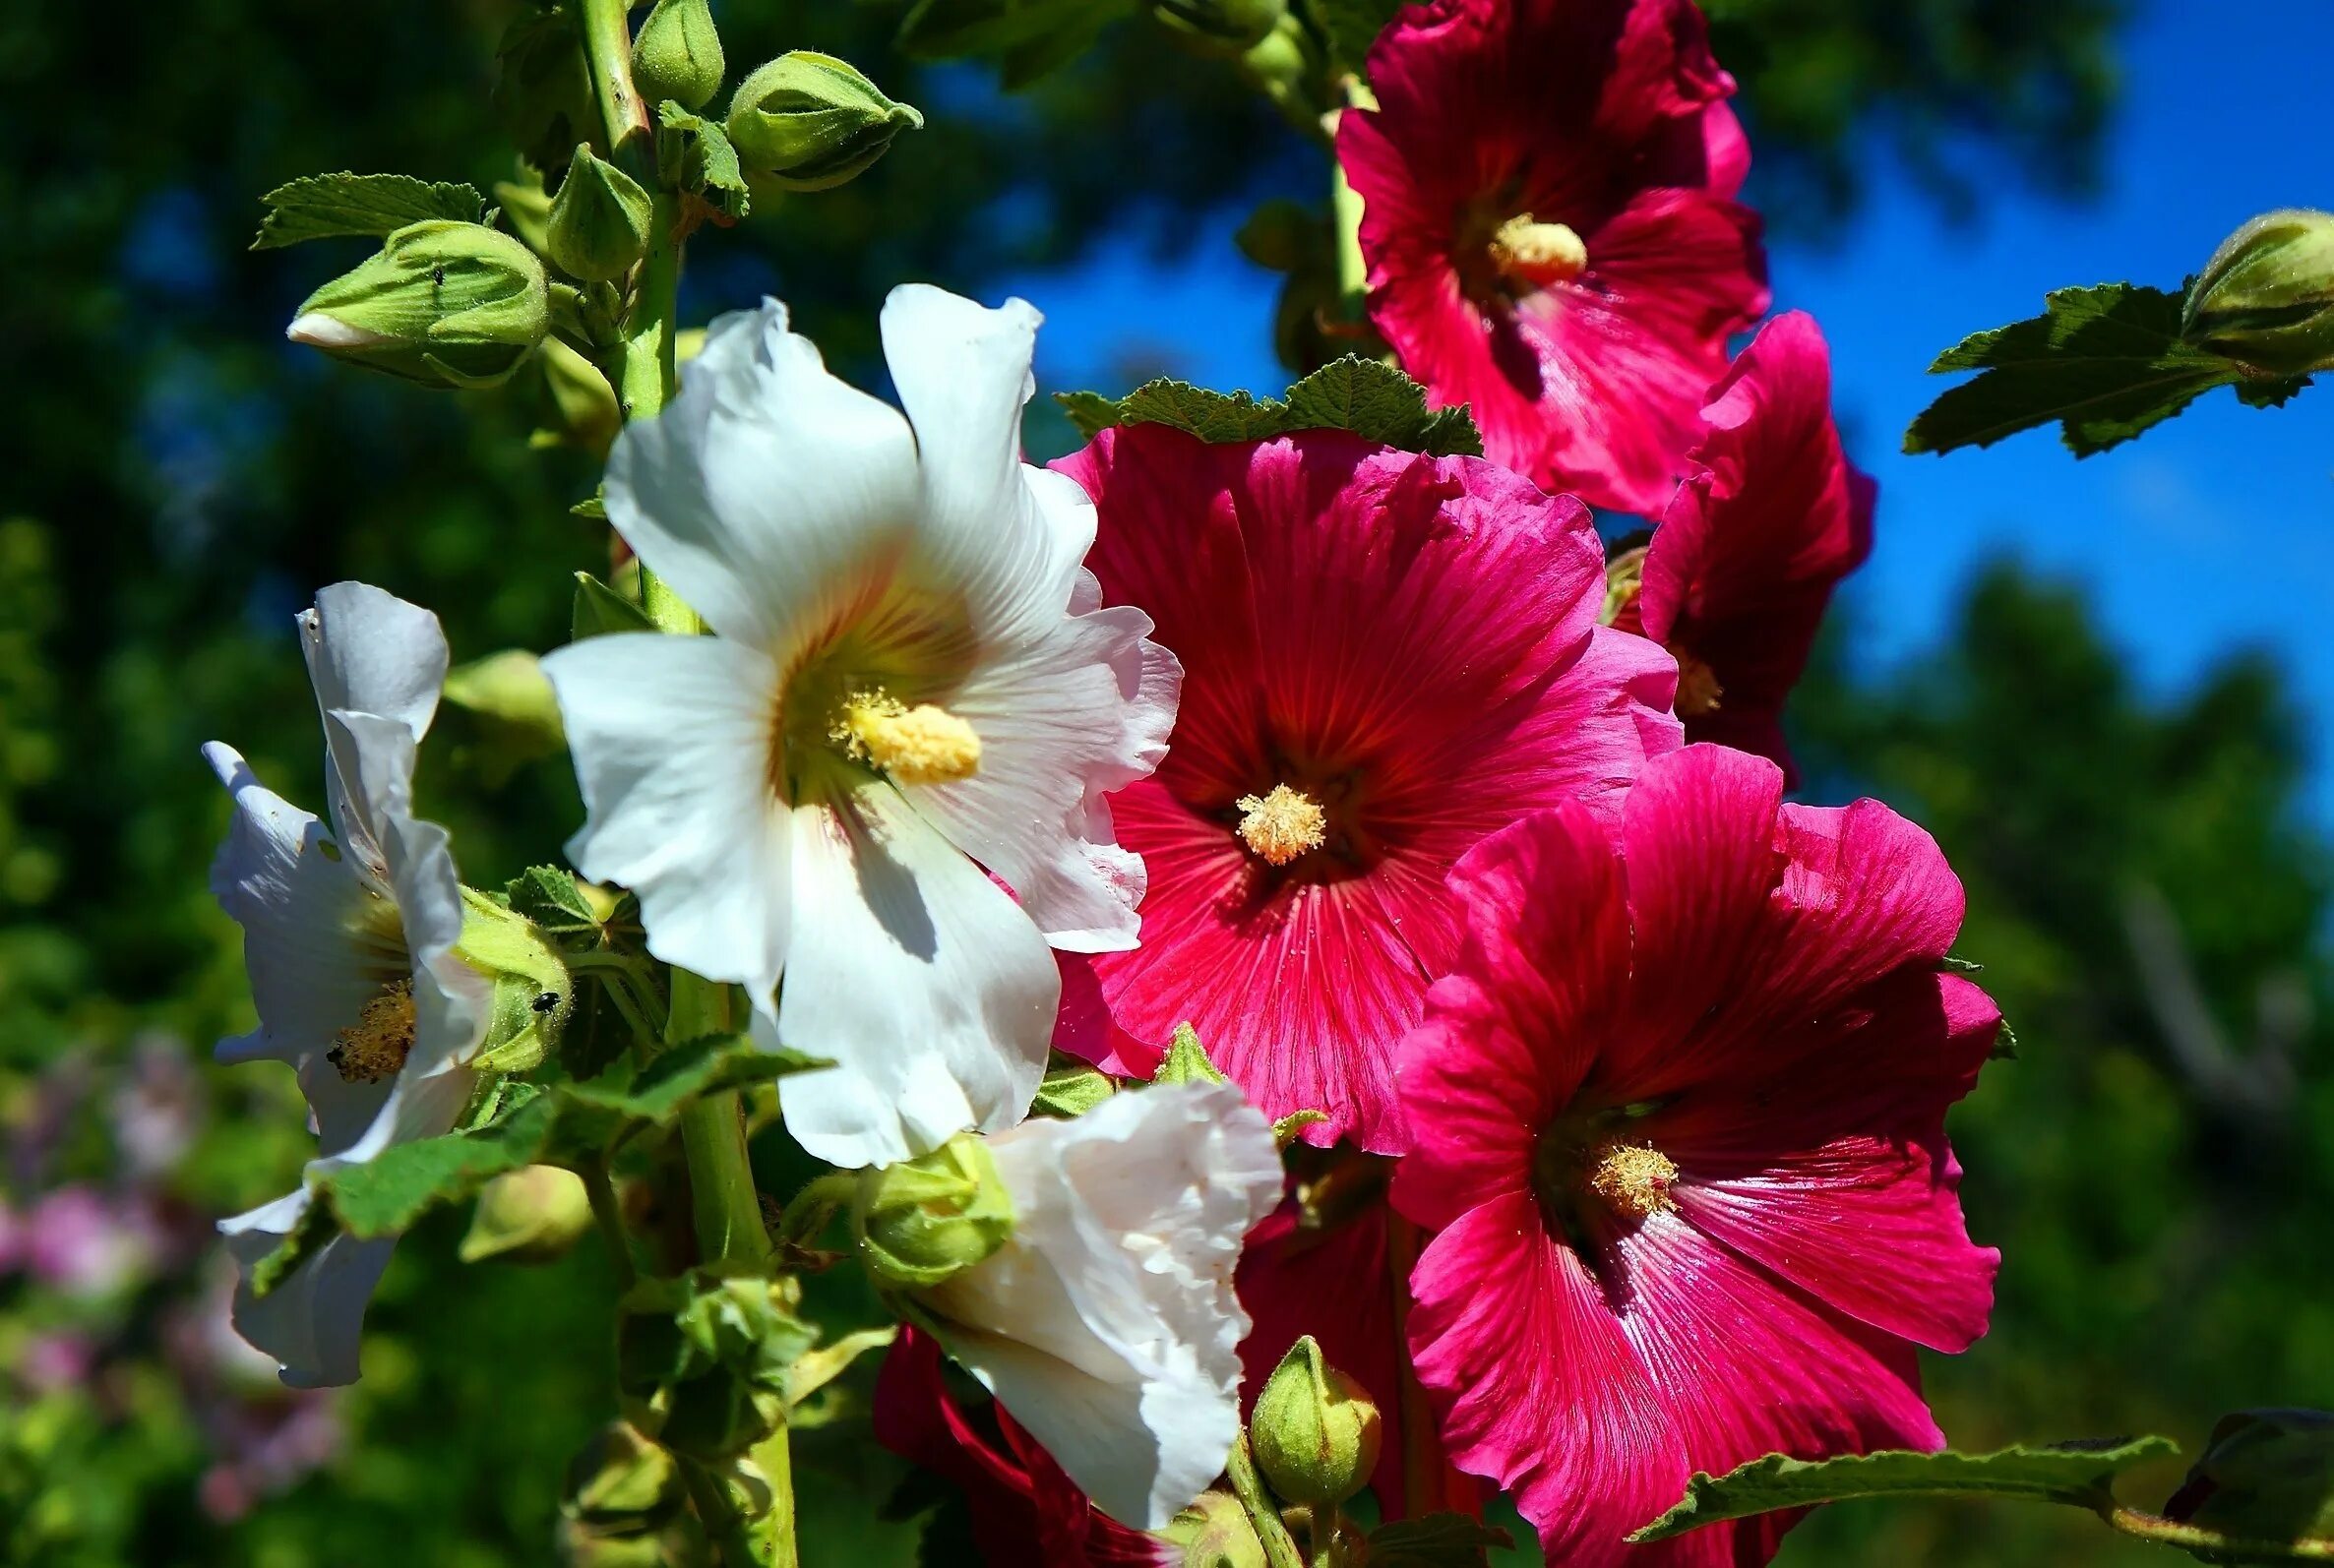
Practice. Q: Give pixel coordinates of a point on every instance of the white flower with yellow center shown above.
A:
(348, 937)
(911, 687)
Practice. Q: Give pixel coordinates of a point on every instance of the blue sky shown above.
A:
(2214, 531)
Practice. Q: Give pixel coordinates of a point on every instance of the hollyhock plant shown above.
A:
(1550, 231)
(1681, 1129)
(349, 938)
(910, 685)
(1736, 577)
(1107, 1323)
(1388, 657)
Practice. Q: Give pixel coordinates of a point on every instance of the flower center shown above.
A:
(1633, 1179)
(1536, 253)
(1625, 578)
(1281, 826)
(377, 1045)
(1698, 691)
(921, 745)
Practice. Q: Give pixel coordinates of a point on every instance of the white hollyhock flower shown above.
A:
(348, 937)
(1107, 1324)
(910, 674)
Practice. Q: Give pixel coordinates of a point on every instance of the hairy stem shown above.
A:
(773, 1534)
(603, 1194)
(723, 1205)
(2222, 1548)
(607, 47)
(1280, 1551)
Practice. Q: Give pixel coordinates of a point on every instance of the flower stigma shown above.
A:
(921, 745)
(1537, 253)
(1698, 691)
(1633, 1179)
(1281, 825)
(377, 1045)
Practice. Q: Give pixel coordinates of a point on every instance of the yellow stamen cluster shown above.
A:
(1698, 691)
(1281, 825)
(1633, 1179)
(921, 745)
(377, 1045)
(1536, 253)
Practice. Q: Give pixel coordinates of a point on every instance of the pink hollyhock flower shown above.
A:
(1386, 657)
(1549, 223)
(1742, 568)
(1024, 1509)
(1679, 1115)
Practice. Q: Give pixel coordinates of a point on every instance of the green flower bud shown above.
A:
(600, 219)
(2264, 1475)
(1215, 1533)
(810, 121)
(532, 1215)
(534, 993)
(578, 1546)
(542, 90)
(1316, 1433)
(1232, 24)
(925, 1219)
(677, 54)
(583, 401)
(441, 303)
(2266, 299)
(620, 1480)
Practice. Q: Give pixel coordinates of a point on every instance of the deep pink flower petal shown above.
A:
(1537, 1385)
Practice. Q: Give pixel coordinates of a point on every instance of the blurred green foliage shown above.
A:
(175, 481)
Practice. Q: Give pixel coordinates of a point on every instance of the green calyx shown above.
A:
(441, 303)
(532, 1214)
(2266, 1476)
(600, 219)
(924, 1221)
(1215, 1533)
(810, 121)
(2266, 298)
(677, 54)
(1314, 1430)
(534, 993)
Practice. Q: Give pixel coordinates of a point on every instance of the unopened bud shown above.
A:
(2264, 1475)
(1215, 1533)
(534, 993)
(1315, 1431)
(2266, 298)
(621, 1480)
(532, 1215)
(581, 398)
(443, 303)
(677, 54)
(1232, 24)
(810, 121)
(923, 1221)
(600, 219)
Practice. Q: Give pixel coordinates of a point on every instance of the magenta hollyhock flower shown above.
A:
(1679, 1116)
(1024, 1510)
(1386, 657)
(1551, 230)
(1738, 575)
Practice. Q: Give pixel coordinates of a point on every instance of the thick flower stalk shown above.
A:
(1550, 229)
(911, 688)
(1681, 1129)
(349, 936)
(1388, 657)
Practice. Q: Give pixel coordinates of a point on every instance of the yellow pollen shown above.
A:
(1634, 1179)
(377, 1045)
(1281, 825)
(1625, 576)
(921, 745)
(1698, 690)
(1538, 253)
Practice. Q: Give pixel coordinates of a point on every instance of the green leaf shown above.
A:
(1071, 1089)
(1373, 401)
(2106, 363)
(1438, 1540)
(1351, 26)
(1186, 1061)
(694, 155)
(2273, 392)
(601, 609)
(548, 896)
(2075, 1472)
(333, 205)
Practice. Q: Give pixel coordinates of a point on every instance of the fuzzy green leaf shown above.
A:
(321, 206)
(601, 609)
(2106, 363)
(1071, 1089)
(1438, 1540)
(1186, 1061)
(548, 896)
(2274, 392)
(1373, 401)
(693, 155)
(2076, 1472)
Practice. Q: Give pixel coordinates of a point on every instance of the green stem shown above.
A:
(1279, 1550)
(603, 1194)
(726, 1209)
(2224, 1548)
(724, 1526)
(607, 47)
(773, 1532)
(1353, 272)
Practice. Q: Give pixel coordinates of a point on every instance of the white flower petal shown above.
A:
(1083, 710)
(672, 741)
(768, 493)
(371, 653)
(1108, 1325)
(313, 1320)
(368, 779)
(318, 942)
(450, 998)
(917, 976)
